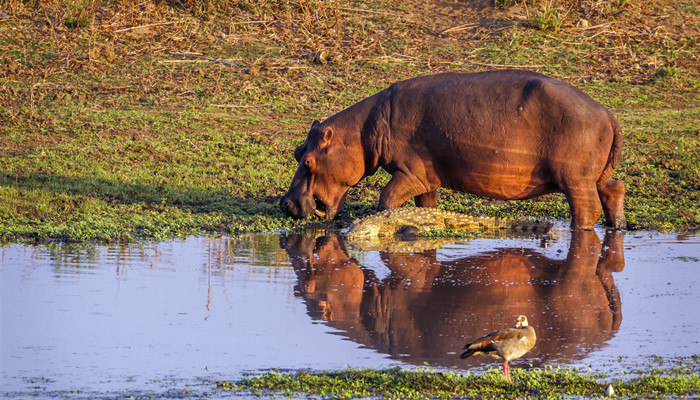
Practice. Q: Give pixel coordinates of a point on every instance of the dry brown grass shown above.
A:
(622, 38)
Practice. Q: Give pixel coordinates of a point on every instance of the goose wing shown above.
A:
(491, 343)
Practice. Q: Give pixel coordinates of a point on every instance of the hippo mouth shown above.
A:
(320, 208)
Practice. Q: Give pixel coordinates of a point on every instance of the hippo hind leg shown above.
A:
(612, 195)
(584, 205)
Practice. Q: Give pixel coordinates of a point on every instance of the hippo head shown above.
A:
(329, 164)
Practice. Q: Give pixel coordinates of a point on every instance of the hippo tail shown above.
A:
(615, 155)
(616, 151)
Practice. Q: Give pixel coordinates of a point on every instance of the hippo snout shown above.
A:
(289, 207)
(298, 208)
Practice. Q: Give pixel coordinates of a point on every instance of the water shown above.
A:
(120, 320)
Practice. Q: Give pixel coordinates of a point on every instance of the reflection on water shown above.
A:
(426, 307)
(122, 320)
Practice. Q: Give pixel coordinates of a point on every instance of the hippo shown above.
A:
(502, 134)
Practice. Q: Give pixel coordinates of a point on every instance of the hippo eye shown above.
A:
(308, 163)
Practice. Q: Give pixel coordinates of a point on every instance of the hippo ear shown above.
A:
(315, 123)
(327, 136)
(299, 151)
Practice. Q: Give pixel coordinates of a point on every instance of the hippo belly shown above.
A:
(493, 170)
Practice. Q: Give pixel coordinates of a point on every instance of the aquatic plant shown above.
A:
(548, 382)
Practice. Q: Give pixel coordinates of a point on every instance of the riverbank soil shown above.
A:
(150, 119)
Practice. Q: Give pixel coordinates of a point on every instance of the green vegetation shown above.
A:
(111, 128)
(503, 3)
(545, 383)
(79, 13)
(547, 19)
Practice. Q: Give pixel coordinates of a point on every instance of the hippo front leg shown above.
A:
(402, 187)
(427, 199)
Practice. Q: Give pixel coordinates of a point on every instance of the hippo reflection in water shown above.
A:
(425, 308)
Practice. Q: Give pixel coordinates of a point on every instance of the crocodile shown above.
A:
(413, 220)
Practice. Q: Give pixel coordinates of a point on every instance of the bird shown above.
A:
(506, 344)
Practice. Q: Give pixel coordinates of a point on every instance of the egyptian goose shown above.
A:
(506, 344)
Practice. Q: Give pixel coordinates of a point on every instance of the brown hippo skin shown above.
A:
(505, 134)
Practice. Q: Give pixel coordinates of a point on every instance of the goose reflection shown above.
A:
(427, 306)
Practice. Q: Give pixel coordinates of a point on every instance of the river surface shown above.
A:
(111, 321)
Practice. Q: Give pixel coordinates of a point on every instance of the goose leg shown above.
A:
(506, 371)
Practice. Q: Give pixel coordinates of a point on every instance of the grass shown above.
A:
(105, 134)
(543, 383)
(79, 14)
(547, 19)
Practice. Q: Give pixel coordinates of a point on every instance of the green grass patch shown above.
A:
(396, 383)
(106, 134)
(547, 19)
